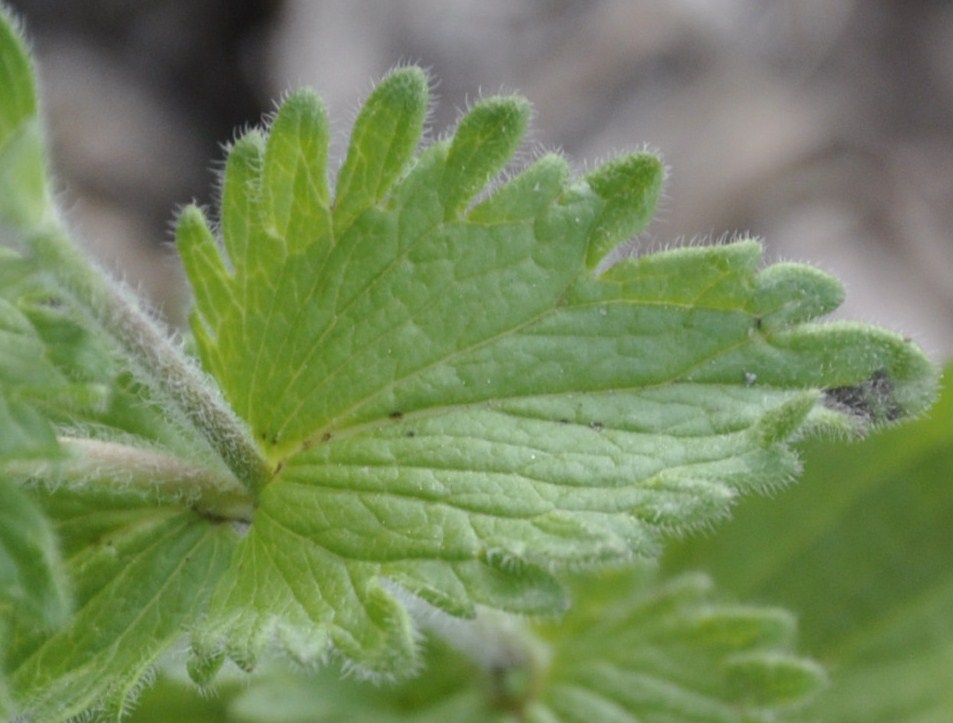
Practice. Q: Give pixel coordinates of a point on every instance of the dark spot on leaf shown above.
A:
(326, 437)
(411, 433)
(870, 401)
(564, 421)
(395, 415)
(596, 426)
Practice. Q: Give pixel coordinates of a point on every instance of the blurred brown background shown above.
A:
(823, 126)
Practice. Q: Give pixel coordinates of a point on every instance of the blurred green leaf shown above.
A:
(861, 549)
(30, 582)
(632, 649)
(24, 191)
(141, 575)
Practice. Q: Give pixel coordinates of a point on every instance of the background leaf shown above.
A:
(632, 648)
(862, 550)
(24, 192)
(451, 398)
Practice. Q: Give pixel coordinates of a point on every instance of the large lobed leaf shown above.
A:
(452, 400)
(861, 549)
(455, 402)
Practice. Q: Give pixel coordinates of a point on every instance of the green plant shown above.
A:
(428, 428)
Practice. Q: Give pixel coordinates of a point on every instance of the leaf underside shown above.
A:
(455, 403)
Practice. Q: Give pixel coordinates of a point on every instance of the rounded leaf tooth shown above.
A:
(202, 668)
(790, 293)
(382, 642)
(294, 178)
(628, 188)
(241, 195)
(781, 423)
(483, 144)
(383, 141)
(203, 261)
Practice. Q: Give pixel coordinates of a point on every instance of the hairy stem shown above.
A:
(168, 478)
(156, 358)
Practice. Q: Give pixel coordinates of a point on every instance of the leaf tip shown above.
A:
(485, 141)
(627, 189)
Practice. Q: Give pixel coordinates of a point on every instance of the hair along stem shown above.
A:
(156, 358)
(166, 477)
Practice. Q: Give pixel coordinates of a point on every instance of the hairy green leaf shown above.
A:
(30, 585)
(141, 575)
(39, 354)
(454, 401)
(862, 551)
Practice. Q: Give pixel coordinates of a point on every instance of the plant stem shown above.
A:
(169, 478)
(159, 362)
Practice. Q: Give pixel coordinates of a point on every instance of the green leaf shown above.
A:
(30, 583)
(25, 200)
(637, 649)
(862, 550)
(141, 575)
(454, 402)
(632, 648)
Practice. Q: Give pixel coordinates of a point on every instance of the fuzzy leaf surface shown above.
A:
(861, 550)
(30, 584)
(454, 401)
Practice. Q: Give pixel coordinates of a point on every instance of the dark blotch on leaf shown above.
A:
(871, 401)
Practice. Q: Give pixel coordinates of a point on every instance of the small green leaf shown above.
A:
(454, 402)
(141, 574)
